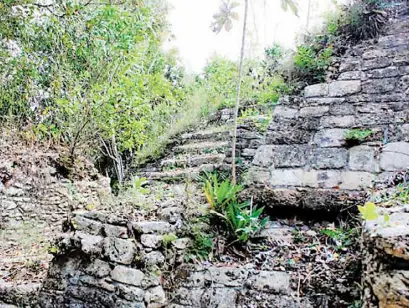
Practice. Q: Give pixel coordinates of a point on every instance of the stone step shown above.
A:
(216, 134)
(179, 174)
(193, 161)
(202, 147)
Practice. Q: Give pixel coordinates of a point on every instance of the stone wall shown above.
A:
(306, 160)
(107, 261)
(36, 196)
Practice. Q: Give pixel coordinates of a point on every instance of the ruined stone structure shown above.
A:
(303, 161)
(307, 160)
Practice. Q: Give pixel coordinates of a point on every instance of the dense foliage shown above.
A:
(89, 74)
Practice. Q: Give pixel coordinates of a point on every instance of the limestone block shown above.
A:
(86, 225)
(321, 179)
(271, 282)
(329, 158)
(155, 295)
(219, 297)
(131, 293)
(354, 75)
(118, 250)
(314, 111)
(355, 180)
(395, 156)
(376, 53)
(285, 112)
(329, 138)
(226, 276)
(98, 268)
(349, 64)
(342, 109)
(362, 158)
(343, 88)
(287, 177)
(316, 90)
(376, 63)
(391, 71)
(151, 240)
(281, 156)
(257, 175)
(338, 121)
(90, 244)
(154, 258)
(319, 101)
(115, 231)
(379, 85)
(127, 275)
(160, 227)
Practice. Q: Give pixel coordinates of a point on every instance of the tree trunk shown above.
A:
(236, 111)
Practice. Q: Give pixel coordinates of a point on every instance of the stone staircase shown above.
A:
(202, 150)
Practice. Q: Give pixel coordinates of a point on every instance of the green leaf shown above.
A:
(368, 211)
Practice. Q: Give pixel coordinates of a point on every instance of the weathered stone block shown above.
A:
(321, 179)
(343, 88)
(257, 175)
(160, 227)
(379, 85)
(354, 75)
(271, 282)
(349, 64)
(376, 63)
(98, 268)
(155, 295)
(127, 275)
(154, 258)
(310, 102)
(329, 158)
(226, 276)
(330, 138)
(90, 244)
(383, 72)
(338, 121)
(286, 177)
(151, 240)
(342, 109)
(219, 297)
(362, 158)
(115, 231)
(355, 180)
(316, 90)
(376, 53)
(120, 251)
(285, 112)
(292, 136)
(395, 156)
(281, 156)
(314, 111)
(131, 293)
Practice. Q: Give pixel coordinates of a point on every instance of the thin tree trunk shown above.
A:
(236, 111)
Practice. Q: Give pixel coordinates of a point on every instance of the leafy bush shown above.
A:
(91, 76)
(311, 62)
(258, 87)
(242, 219)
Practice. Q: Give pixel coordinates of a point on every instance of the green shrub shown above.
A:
(241, 219)
(311, 62)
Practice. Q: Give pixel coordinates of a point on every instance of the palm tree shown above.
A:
(224, 19)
